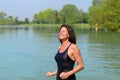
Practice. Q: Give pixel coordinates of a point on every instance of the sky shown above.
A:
(27, 8)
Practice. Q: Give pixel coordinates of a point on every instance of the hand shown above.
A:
(64, 75)
(48, 74)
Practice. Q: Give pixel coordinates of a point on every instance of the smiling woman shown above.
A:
(68, 53)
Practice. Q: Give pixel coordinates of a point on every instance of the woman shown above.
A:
(68, 53)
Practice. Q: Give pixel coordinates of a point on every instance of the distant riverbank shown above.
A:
(80, 27)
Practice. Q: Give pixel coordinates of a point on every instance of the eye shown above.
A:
(61, 31)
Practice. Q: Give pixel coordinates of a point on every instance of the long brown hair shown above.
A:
(72, 37)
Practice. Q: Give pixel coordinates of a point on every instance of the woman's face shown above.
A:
(63, 34)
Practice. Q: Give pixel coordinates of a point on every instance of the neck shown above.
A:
(64, 43)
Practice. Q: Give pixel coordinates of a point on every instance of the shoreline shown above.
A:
(80, 27)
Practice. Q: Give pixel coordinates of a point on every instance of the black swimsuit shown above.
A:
(64, 64)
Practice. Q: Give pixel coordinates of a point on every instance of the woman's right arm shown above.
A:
(48, 74)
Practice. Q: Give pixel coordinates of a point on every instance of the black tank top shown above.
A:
(64, 63)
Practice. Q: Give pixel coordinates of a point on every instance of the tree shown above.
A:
(111, 15)
(85, 17)
(27, 20)
(106, 14)
(9, 20)
(96, 2)
(35, 20)
(49, 15)
(39, 18)
(70, 14)
(46, 16)
(2, 17)
(16, 20)
(56, 16)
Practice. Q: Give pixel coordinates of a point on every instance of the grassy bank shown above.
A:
(80, 27)
(41, 25)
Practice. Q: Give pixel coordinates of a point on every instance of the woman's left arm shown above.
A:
(78, 58)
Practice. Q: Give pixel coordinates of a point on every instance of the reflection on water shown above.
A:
(103, 55)
(27, 54)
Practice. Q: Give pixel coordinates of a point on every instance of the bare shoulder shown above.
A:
(74, 47)
(74, 52)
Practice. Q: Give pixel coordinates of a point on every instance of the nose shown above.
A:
(59, 33)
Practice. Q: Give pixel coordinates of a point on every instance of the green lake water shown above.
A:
(27, 54)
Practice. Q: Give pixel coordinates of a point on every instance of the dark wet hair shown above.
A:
(72, 37)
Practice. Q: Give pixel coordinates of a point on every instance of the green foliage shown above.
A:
(4, 20)
(70, 14)
(47, 16)
(97, 2)
(9, 20)
(2, 15)
(27, 21)
(85, 17)
(106, 14)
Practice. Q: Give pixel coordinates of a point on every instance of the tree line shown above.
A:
(9, 20)
(68, 14)
(102, 14)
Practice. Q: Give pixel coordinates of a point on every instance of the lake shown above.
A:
(27, 54)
